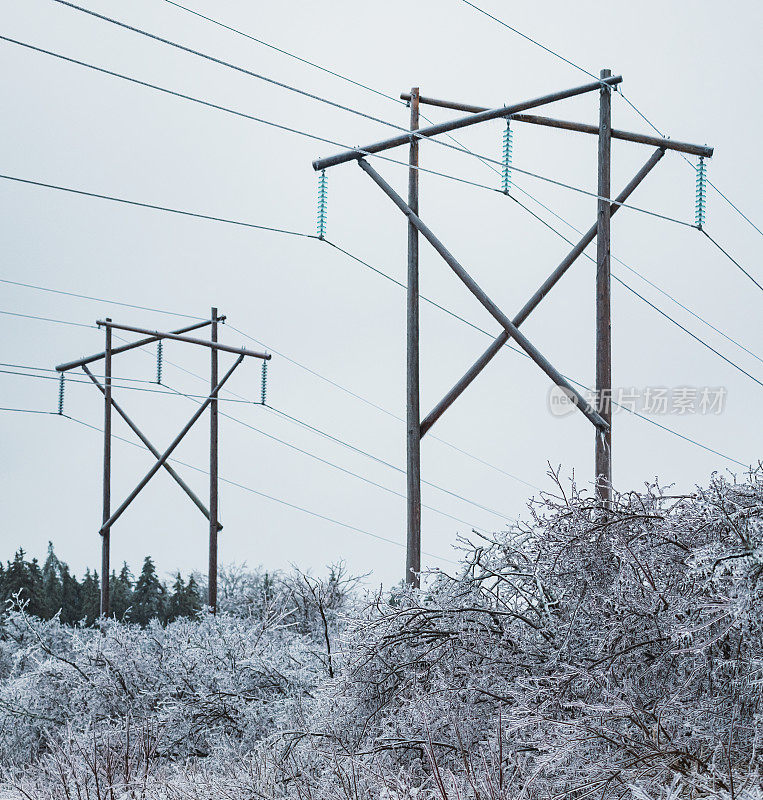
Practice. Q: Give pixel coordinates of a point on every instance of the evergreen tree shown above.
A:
(52, 588)
(121, 592)
(184, 600)
(148, 597)
(24, 578)
(193, 602)
(89, 605)
(70, 592)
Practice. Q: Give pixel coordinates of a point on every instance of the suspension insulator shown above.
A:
(61, 390)
(264, 387)
(323, 205)
(159, 361)
(700, 205)
(508, 146)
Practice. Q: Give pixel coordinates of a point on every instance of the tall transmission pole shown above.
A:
(413, 442)
(213, 466)
(603, 446)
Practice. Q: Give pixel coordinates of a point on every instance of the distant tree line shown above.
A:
(52, 589)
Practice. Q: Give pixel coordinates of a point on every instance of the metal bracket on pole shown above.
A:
(587, 410)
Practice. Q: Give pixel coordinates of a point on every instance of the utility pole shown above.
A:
(603, 448)
(106, 532)
(109, 517)
(600, 412)
(413, 449)
(213, 462)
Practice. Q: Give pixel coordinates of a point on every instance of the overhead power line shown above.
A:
(618, 91)
(286, 52)
(95, 299)
(221, 62)
(153, 207)
(29, 411)
(270, 497)
(314, 137)
(732, 259)
(461, 319)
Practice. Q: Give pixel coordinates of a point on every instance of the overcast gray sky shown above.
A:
(694, 71)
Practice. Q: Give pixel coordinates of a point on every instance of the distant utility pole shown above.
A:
(109, 517)
(600, 415)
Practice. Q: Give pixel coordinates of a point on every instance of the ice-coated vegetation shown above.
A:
(586, 653)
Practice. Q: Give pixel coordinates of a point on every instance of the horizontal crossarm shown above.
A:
(130, 346)
(462, 122)
(486, 302)
(136, 430)
(581, 127)
(168, 452)
(189, 339)
(535, 300)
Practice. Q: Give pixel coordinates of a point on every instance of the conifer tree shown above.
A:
(148, 596)
(121, 592)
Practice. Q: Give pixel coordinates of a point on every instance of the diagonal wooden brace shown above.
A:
(534, 301)
(585, 407)
(168, 452)
(136, 430)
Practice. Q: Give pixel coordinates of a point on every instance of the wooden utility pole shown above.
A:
(600, 412)
(603, 449)
(106, 533)
(213, 462)
(413, 549)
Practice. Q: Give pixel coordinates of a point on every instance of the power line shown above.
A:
(631, 269)
(46, 319)
(314, 137)
(140, 204)
(96, 299)
(29, 411)
(378, 460)
(650, 304)
(227, 64)
(484, 159)
(380, 408)
(583, 386)
(259, 493)
(286, 52)
(154, 207)
(278, 230)
(732, 259)
(619, 91)
(357, 475)
(242, 399)
(70, 379)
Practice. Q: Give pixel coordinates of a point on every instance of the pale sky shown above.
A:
(695, 72)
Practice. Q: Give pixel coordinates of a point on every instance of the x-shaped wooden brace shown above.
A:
(510, 327)
(136, 430)
(162, 458)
